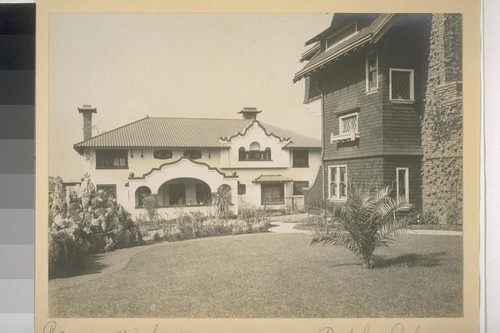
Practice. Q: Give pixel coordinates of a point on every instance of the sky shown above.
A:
(203, 65)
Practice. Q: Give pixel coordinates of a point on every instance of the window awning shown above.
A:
(272, 179)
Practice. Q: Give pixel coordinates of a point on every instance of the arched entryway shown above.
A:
(184, 192)
(141, 193)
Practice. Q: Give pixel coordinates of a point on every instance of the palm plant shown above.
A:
(366, 222)
(221, 200)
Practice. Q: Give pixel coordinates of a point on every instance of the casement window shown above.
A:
(300, 158)
(403, 184)
(109, 189)
(192, 154)
(371, 72)
(141, 193)
(401, 85)
(111, 159)
(342, 34)
(299, 186)
(177, 194)
(337, 182)
(162, 154)
(272, 193)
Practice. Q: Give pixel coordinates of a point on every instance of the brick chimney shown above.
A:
(87, 111)
(249, 112)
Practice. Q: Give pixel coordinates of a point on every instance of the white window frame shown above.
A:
(346, 136)
(341, 118)
(412, 86)
(407, 183)
(367, 73)
(355, 23)
(337, 182)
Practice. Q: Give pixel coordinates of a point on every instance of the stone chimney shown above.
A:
(87, 111)
(250, 112)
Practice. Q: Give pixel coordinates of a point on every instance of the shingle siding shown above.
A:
(424, 136)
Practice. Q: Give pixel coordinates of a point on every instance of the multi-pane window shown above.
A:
(299, 186)
(371, 72)
(272, 193)
(401, 85)
(300, 158)
(348, 124)
(111, 159)
(402, 184)
(337, 180)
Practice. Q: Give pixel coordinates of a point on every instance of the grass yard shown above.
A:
(270, 275)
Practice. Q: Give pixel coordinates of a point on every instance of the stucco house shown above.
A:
(389, 89)
(183, 160)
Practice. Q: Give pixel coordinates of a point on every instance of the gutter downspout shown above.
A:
(323, 199)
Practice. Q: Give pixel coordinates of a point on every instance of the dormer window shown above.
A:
(342, 34)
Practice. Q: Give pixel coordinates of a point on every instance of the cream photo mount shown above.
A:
(471, 135)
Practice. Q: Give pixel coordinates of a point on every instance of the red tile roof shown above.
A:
(185, 132)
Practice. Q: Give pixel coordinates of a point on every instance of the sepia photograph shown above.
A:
(224, 165)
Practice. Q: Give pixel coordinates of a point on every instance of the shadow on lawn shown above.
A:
(94, 265)
(410, 260)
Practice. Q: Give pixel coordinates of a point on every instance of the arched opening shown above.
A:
(141, 193)
(255, 153)
(267, 153)
(254, 146)
(242, 154)
(184, 192)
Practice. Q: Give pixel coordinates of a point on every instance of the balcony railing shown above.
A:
(255, 155)
(346, 137)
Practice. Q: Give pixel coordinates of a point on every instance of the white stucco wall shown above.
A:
(255, 133)
(226, 159)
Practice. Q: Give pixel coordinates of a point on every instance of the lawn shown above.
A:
(271, 275)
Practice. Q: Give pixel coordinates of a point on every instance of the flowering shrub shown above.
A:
(196, 225)
(87, 222)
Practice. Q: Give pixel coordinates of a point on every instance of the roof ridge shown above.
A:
(197, 118)
(113, 130)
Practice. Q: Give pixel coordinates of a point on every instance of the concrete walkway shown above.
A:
(288, 227)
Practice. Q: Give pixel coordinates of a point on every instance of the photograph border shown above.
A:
(471, 137)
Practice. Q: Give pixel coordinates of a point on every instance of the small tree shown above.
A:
(221, 200)
(150, 204)
(367, 221)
